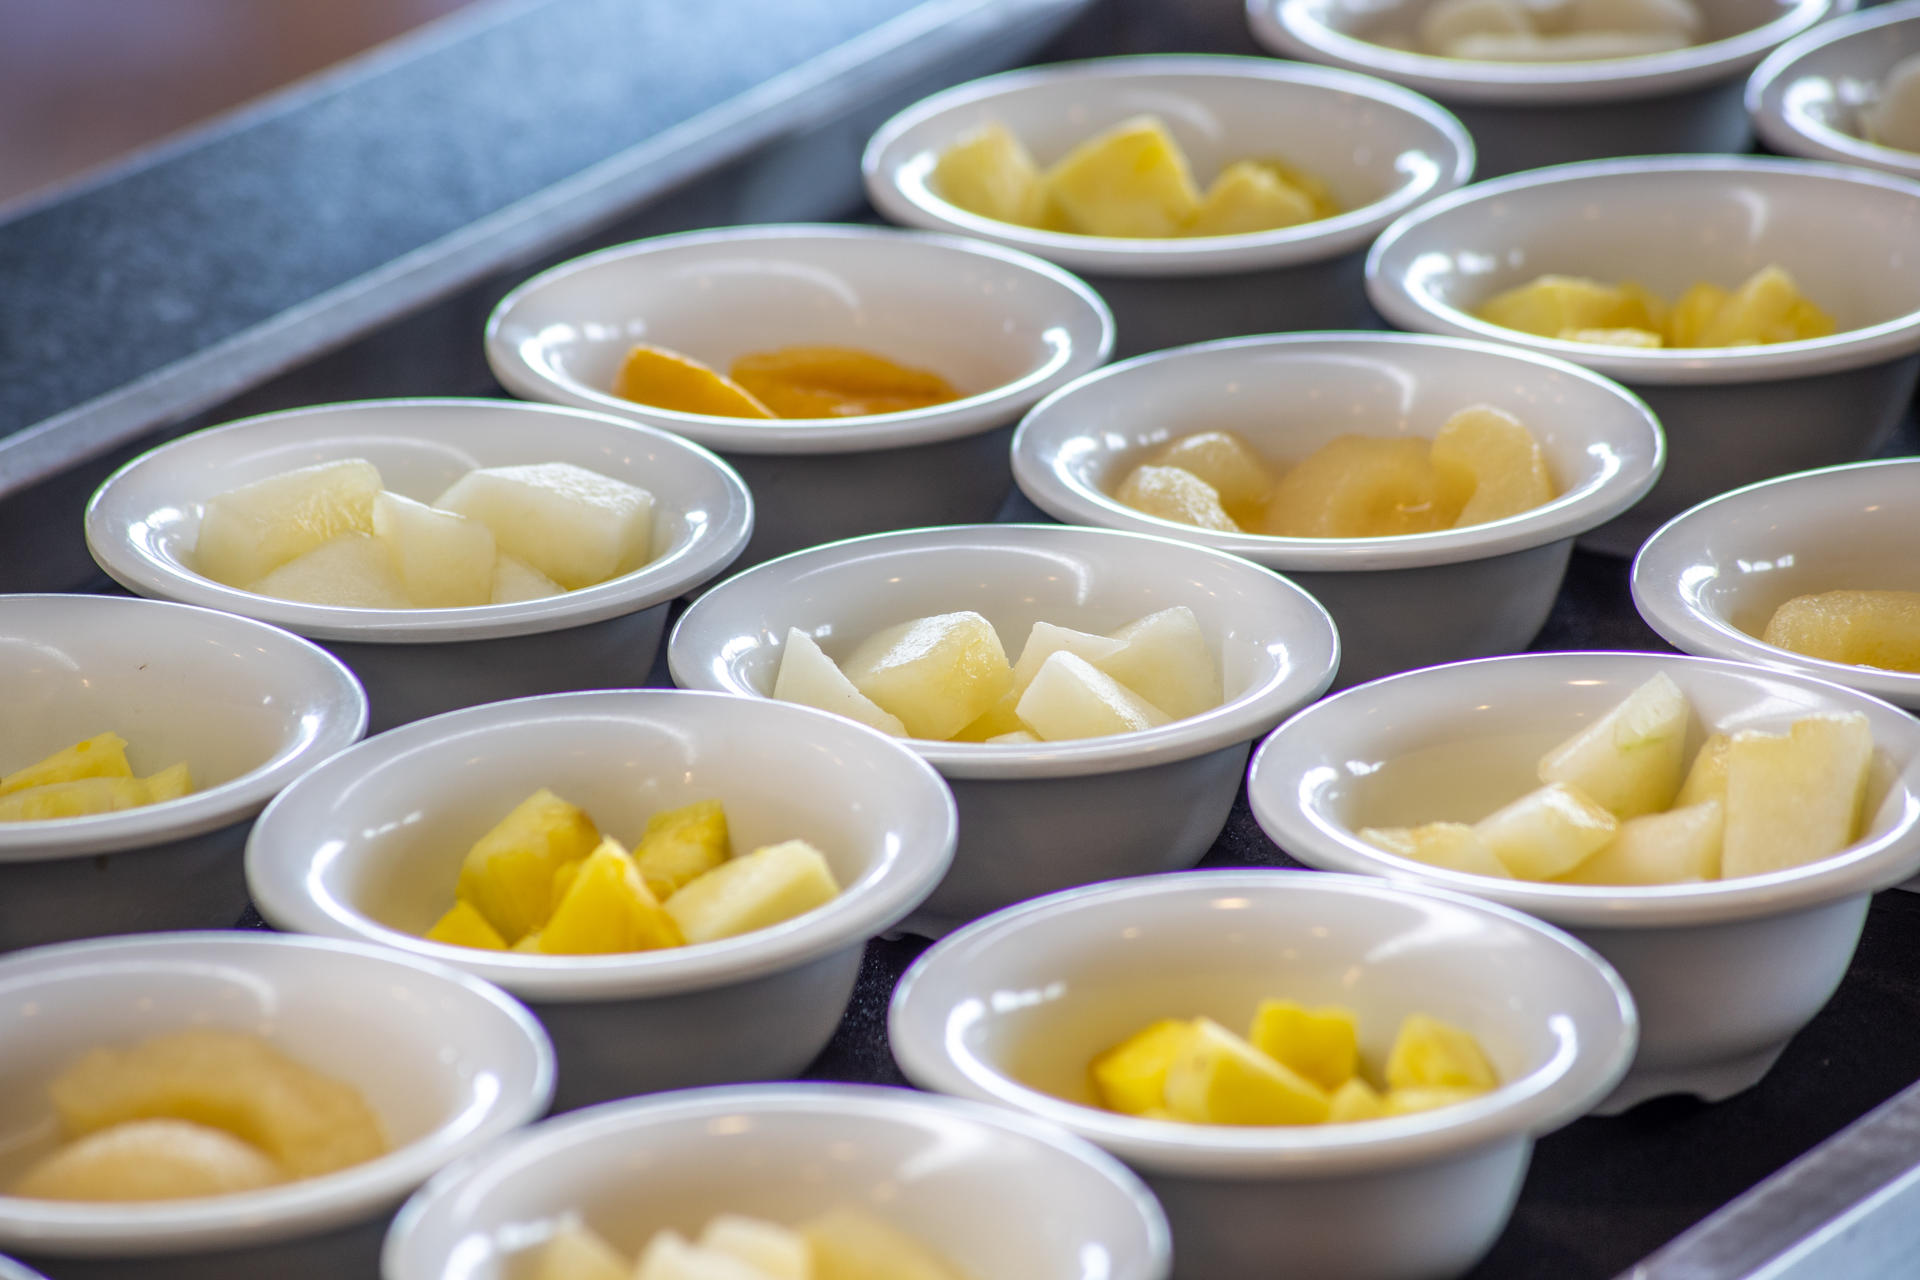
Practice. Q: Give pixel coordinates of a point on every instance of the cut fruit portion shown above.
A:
(444, 560)
(248, 532)
(1679, 846)
(1249, 196)
(1491, 465)
(1170, 493)
(1406, 1102)
(989, 172)
(996, 721)
(669, 380)
(149, 1160)
(576, 526)
(1551, 304)
(1794, 798)
(1643, 339)
(464, 926)
(849, 1244)
(515, 580)
(1071, 698)
(102, 756)
(353, 571)
(668, 1256)
(170, 783)
(1360, 487)
(937, 674)
(1018, 738)
(1452, 845)
(1130, 181)
(1865, 628)
(1630, 760)
(1766, 308)
(1446, 22)
(761, 889)
(578, 1252)
(1430, 1053)
(1131, 1077)
(1228, 464)
(607, 909)
(508, 874)
(808, 676)
(1164, 657)
(1218, 1078)
(81, 798)
(1546, 833)
(681, 845)
(1355, 1100)
(1045, 640)
(1323, 1045)
(1694, 311)
(778, 1252)
(1707, 776)
(837, 382)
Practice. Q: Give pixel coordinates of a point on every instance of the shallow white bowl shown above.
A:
(369, 846)
(1053, 814)
(1398, 602)
(1012, 1009)
(1805, 98)
(11, 1270)
(1709, 580)
(1381, 149)
(1732, 415)
(448, 1063)
(1003, 327)
(247, 706)
(965, 1179)
(1525, 115)
(142, 524)
(1725, 972)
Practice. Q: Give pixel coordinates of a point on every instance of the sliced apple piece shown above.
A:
(1630, 760)
(1796, 797)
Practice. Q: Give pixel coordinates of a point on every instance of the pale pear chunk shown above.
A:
(149, 1159)
(248, 532)
(1452, 845)
(1680, 846)
(576, 526)
(669, 1256)
(516, 580)
(779, 1253)
(808, 676)
(852, 1244)
(1493, 462)
(1071, 698)
(1238, 475)
(1547, 832)
(352, 571)
(1446, 22)
(1630, 760)
(1046, 639)
(1796, 797)
(1707, 775)
(444, 560)
(1165, 659)
(1174, 493)
(937, 674)
(578, 1252)
(1894, 120)
(754, 891)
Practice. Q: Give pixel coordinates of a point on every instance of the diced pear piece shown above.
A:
(102, 756)
(1447, 21)
(1866, 628)
(444, 560)
(1707, 776)
(1631, 759)
(574, 525)
(1131, 1077)
(851, 1244)
(158, 1159)
(779, 1253)
(1409, 1101)
(1552, 303)
(756, 891)
(937, 674)
(578, 1252)
(463, 926)
(1452, 845)
(1218, 1078)
(607, 910)
(1546, 833)
(1493, 464)
(808, 676)
(1239, 476)
(1071, 698)
(1165, 659)
(1131, 180)
(996, 721)
(989, 172)
(1430, 1053)
(681, 845)
(352, 571)
(1360, 487)
(248, 532)
(670, 380)
(668, 1256)
(81, 798)
(1796, 797)
(1247, 197)
(1680, 846)
(1172, 493)
(1322, 1045)
(1045, 640)
(1355, 1100)
(508, 874)
(516, 580)
(1894, 121)
(1766, 308)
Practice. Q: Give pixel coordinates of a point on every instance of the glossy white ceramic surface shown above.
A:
(1011, 1010)
(448, 1064)
(1399, 602)
(247, 706)
(369, 846)
(1806, 97)
(1732, 415)
(1709, 580)
(1723, 972)
(11, 1270)
(1044, 816)
(964, 1179)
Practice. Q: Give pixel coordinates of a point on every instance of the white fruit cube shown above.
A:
(668, 1256)
(1165, 659)
(1796, 797)
(808, 676)
(1452, 845)
(515, 580)
(248, 532)
(578, 1252)
(754, 891)
(574, 525)
(778, 1252)
(444, 560)
(1629, 761)
(1046, 639)
(937, 674)
(1071, 698)
(1546, 833)
(850, 1244)
(354, 571)
(1680, 846)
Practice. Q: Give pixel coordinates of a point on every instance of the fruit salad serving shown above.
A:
(791, 382)
(91, 776)
(1766, 308)
(842, 1244)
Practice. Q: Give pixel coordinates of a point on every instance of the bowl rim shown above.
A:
(1286, 28)
(1866, 866)
(1038, 471)
(709, 551)
(955, 419)
(857, 1103)
(280, 867)
(1236, 720)
(1211, 255)
(1559, 1091)
(1879, 343)
(289, 1211)
(1662, 595)
(343, 722)
(1785, 132)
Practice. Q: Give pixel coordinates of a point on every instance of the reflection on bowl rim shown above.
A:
(1790, 131)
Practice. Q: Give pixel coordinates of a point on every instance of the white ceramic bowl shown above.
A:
(1054, 814)
(1724, 972)
(1381, 149)
(962, 1178)
(1732, 415)
(1012, 1009)
(11, 1270)
(142, 524)
(1805, 98)
(369, 846)
(1398, 602)
(247, 706)
(448, 1063)
(1709, 580)
(1003, 327)
(1526, 115)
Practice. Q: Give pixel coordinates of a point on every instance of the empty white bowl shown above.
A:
(1723, 972)
(1003, 327)
(1399, 602)
(1806, 97)
(1013, 1009)
(1524, 115)
(1381, 149)
(369, 846)
(1733, 415)
(964, 1179)
(142, 524)
(1709, 580)
(1048, 815)
(248, 707)
(447, 1062)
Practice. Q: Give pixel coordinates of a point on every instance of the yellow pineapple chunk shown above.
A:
(1249, 196)
(1130, 181)
(1865, 628)
(1707, 776)
(1452, 845)
(937, 674)
(990, 173)
(1546, 833)
(1693, 313)
(1766, 308)
(1491, 464)
(682, 844)
(1796, 797)
(1174, 493)
(1360, 487)
(81, 798)
(607, 909)
(1408, 1101)
(1321, 1044)
(1237, 475)
(578, 1252)
(1131, 1077)
(1218, 1078)
(508, 874)
(102, 756)
(464, 926)
(149, 1160)
(761, 889)
(1553, 304)
(1430, 1053)
(1354, 1100)
(248, 532)
(851, 1244)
